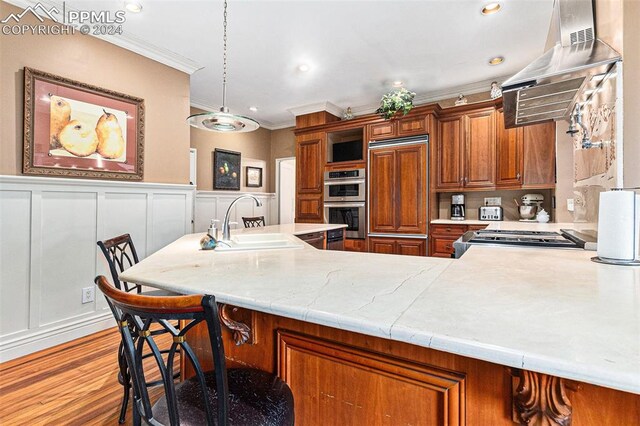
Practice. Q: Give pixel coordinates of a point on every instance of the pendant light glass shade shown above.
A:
(223, 121)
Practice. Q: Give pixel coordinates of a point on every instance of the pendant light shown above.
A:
(223, 121)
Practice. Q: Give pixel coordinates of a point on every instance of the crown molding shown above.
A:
(316, 107)
(129, 42)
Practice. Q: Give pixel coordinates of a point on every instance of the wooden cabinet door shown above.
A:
(382, 245)
(449, 153)
(479, 159)
(309, 164)
(412, 126)
(411, 247)
(382, 196)
(383, 130)
(508, 154)
(309, 208)
(539, 152)
(411, 189)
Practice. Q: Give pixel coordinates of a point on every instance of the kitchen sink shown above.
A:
(244, 242)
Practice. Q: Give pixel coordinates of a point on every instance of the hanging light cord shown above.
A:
(224, 60)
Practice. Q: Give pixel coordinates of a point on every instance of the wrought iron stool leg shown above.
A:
(125, 381)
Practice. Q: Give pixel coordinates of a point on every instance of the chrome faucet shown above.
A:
(226, 232)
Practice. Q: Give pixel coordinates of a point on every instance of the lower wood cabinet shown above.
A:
(442, 237)
(404, 246)
(355, 244)
(309, 208)
(333, 383)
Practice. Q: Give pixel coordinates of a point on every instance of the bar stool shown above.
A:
(121, 254)
(253, 222)
(241, 396)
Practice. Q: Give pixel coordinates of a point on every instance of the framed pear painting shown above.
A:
(73, 129)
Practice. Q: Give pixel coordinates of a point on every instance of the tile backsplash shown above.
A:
(596, 169)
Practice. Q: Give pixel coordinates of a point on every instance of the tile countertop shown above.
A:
(547, 310)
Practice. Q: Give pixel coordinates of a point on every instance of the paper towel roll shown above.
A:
(619, 225)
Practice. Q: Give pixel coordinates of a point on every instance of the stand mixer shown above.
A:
(531, 204)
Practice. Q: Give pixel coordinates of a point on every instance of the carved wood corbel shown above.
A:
(241, 332)
(539, 399)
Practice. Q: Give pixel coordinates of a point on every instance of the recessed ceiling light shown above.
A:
(303, 68)
(398, 83)
(252, 108)
(491, 8)
(496, 61)
(133, 6)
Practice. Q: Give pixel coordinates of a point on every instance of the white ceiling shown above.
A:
(354, 48)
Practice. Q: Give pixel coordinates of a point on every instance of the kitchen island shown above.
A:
(501, 334)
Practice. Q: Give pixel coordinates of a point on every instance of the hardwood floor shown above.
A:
(71, 384)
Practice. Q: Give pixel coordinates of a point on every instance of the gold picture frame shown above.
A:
(74, 129)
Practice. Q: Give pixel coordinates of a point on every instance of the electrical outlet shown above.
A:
(570, 205)
(88, 294)
(493, 201)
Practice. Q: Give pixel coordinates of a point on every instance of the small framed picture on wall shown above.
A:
(253, 177)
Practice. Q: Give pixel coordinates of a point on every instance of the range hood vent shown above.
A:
(549, 87)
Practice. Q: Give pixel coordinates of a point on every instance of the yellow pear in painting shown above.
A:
(60, 117)
(111, 142)
(79, 138)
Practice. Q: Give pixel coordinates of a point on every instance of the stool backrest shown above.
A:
(138, 316)
(254, 222)
(120, 254)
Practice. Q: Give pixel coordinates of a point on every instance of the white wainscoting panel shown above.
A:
(67, 238)
(15, 224)
(48, 252)
(214, 204)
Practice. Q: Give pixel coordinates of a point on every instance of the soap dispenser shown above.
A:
(210, 241)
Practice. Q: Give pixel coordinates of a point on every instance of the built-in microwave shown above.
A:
(344, 185)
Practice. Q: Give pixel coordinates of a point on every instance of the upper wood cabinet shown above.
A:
(449, 153)
(525, 155)
(310, 161)
(539, 155)
(474, 151)
(399, 127)
(398, 189)
(509, 154)
(412, 126)
(479, 158)
(465, 151)
(384, 130)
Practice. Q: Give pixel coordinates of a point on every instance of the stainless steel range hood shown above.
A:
(548, 88)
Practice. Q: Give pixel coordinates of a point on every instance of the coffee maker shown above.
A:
(457, 207)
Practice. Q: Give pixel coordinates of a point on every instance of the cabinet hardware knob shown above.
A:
(518, 176)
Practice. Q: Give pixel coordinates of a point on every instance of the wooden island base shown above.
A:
(346, 378)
